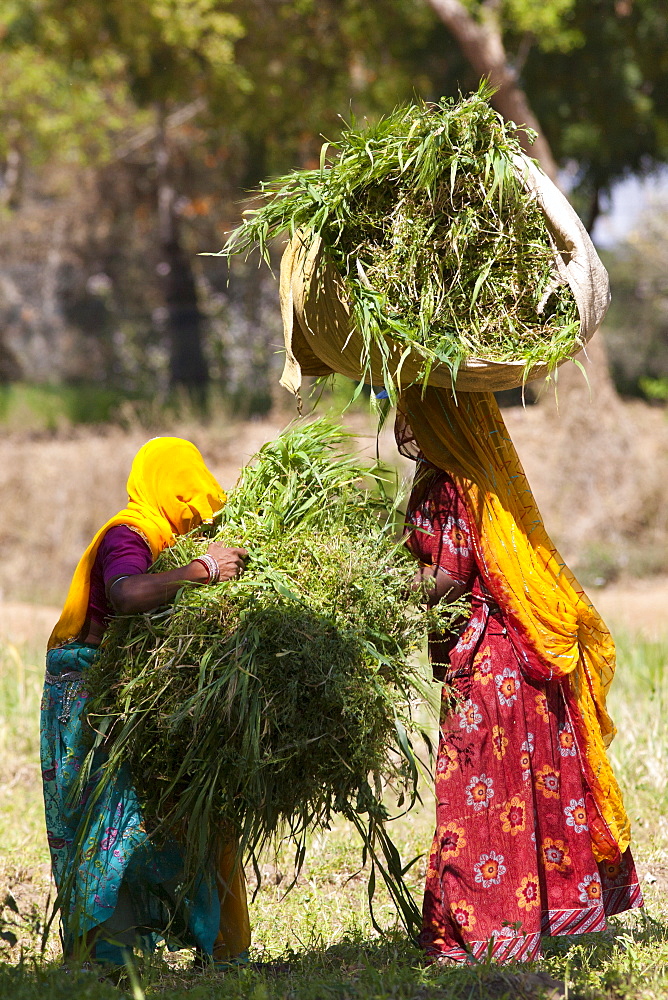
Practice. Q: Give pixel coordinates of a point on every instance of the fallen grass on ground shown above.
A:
(322, 927)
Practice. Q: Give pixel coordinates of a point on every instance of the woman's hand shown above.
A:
(231, 562)
(145, 591)
(436, 585)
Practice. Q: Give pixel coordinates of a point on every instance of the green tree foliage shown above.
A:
(546, 21)
(279, 72)
(594, 72)
(51, 108)
(76, 74)
(46, 108)
(164, 49)
(264, 78)
(603, 101)
(312, 62)
(168, 52)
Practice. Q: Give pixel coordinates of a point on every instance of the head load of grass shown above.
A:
(440, 246)
(265, 706)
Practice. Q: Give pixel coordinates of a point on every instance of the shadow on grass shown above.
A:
(626, 961)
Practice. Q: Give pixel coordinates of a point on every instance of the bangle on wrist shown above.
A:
(211, 566)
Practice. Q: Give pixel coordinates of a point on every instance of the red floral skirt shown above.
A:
(512, 857)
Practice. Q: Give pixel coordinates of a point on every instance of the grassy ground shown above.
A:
(322, 927)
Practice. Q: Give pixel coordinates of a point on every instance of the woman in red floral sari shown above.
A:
(518, 822)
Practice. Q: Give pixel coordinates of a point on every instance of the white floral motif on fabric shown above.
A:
(479, 791)
(590, 889)
(576, 815)
(457, 536)
(489, 869)
(471, 634)
(421, 519)
(469, 717)
(566, 739)
(506, 685)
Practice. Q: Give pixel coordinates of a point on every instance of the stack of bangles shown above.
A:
(212, 567)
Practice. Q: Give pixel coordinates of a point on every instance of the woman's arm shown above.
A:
(145, 591)
(437, 585)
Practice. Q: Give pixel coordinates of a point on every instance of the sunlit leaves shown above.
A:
(549, 22)
(46, 110)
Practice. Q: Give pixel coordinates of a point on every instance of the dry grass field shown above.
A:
(598, 472)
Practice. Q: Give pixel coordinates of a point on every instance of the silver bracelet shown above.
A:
(212, 567)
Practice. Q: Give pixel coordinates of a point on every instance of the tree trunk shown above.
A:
(594, 208)
(11, 190)
(482, 44)
(187, 364)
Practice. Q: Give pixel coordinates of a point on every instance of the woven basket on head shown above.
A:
(321, 338)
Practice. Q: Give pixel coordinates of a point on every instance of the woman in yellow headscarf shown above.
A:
(118, 890)
(532, 838)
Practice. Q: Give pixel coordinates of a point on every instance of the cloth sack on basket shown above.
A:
(321, 338)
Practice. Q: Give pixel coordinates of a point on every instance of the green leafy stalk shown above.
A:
(265, 706)
(441, 249)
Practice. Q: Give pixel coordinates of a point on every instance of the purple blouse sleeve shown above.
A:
(123, 552)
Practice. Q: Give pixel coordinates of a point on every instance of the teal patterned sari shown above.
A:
(108, 873)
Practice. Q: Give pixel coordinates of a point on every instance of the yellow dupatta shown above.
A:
(170, 491)
(563, 633)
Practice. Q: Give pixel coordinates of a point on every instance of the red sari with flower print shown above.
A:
(512, 857)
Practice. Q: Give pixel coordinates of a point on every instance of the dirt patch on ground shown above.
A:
(26, 894)
(653, 873)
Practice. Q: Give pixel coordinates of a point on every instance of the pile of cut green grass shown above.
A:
(267, 705)
(441, 248)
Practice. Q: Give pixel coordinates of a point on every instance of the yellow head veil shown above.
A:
(563, 635)
(170, 491)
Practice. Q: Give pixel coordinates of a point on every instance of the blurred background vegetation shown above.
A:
(131, 133)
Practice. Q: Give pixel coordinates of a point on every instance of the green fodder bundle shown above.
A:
(267, 705)
(441, 248)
